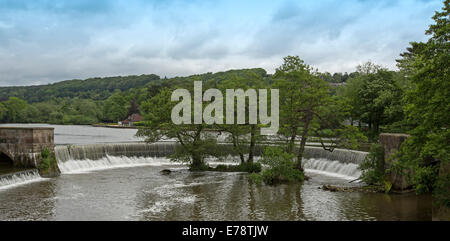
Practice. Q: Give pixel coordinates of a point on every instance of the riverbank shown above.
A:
(114, 126)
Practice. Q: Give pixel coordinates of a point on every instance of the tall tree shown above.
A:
(302, 94)
(115, 107)
(428, 107)
(194, 143)
(243, 136)
(16, 110)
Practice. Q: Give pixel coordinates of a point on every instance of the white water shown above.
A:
(109, 162)
(19, 178)
(86, 158)
(348, 171)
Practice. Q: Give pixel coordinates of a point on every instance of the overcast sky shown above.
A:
(45, 41)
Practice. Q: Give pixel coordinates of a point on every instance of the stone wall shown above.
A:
(23, 145)
(390, 144)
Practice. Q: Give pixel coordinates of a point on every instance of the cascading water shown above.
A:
(19, 178)
(339, 163)
(348, 171)
(108, 162)
(82, 158)
(341, 155)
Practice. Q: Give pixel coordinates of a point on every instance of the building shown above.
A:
(132, 119)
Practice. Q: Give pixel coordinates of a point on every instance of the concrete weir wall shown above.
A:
(390, 144)
(23, 145)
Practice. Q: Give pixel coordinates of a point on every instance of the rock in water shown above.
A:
(166, 172)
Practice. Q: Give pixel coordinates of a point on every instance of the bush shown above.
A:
(48, 166)
(373, 166)
(46, 161)
(425, 178)
(280, 168)
(441, 191)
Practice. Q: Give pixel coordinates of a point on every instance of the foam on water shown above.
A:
(109, 162)
(19, 178)
(338, 169)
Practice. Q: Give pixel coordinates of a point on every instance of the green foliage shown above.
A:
(16, 110)
(387, 186)
(279, 167)
(374, 96)
(424, 179)
(196, 143)
(442, 190)
(256, 178)
(302, 96)
(373, 166)
(427, 107)
(93, 88)
(3, 111)
(243, 136)
(48, 161)
(115, 108)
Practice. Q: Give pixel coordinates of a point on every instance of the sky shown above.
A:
(46, 41)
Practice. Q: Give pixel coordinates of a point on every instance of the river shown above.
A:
(133, 188)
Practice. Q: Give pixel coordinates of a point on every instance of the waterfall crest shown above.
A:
(341, 155)
(99, 151)
(19, 178)
(348, 171)
(81, 158)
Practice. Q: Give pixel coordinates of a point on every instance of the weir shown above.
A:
(8, 180)
(74, 158)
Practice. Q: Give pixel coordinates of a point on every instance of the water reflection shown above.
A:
(143, 193)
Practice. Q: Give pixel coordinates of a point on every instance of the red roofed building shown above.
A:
(132, 119)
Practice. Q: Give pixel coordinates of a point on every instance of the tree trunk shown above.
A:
(301, 150)
(197, 160)
(291, 144)
(251, 152)
(235, 145)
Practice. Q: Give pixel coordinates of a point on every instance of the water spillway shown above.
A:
(341, 155)
(79, 158)
(18, 178)
(348, 171)
(98, 151)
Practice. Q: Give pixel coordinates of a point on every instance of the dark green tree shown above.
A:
(427, 151)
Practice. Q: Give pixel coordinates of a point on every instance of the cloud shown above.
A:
(45, 41)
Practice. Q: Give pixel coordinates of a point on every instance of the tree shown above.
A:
(308, 108)
(3, 111)
(379, 98)
(301, 96)
(244, 137)
(375, 97)
(16, 110)
(134, 108)
(428, 107)
(115, 107)
(195, 143)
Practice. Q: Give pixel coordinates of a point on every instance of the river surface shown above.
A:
(142, 192)
(84, 134)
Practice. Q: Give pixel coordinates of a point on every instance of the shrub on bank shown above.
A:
(280, 168)
(372, 167)
(48, 166)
